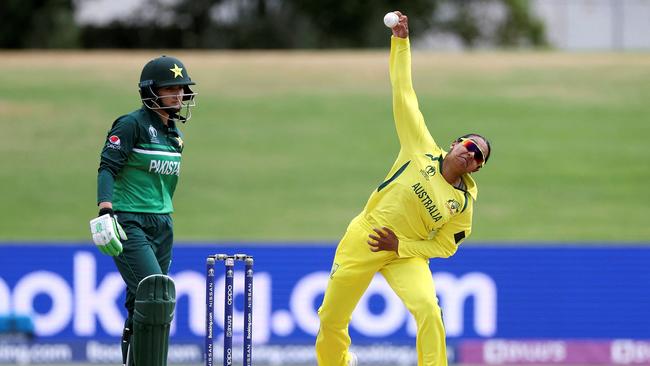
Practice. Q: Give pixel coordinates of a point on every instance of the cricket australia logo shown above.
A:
(428, 172)
(153, 134)
(453, 206)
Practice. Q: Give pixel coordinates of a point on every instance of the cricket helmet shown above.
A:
(162, 72)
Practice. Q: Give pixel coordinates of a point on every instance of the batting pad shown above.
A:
(155, 300)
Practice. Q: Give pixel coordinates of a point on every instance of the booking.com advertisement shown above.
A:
(556, 304)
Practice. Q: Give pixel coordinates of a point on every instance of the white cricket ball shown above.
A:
(391, 19)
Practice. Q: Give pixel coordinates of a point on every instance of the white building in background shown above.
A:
(570, 24)
(102, 12)
(596, 24)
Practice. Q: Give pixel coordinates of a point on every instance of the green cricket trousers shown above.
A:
(147, 251)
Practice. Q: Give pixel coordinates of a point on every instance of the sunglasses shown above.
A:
(472, 146)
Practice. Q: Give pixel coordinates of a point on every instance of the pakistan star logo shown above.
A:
(179, 141)
(453, 206)
(178, 71)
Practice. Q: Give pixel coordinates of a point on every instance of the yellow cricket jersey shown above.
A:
(429, 216)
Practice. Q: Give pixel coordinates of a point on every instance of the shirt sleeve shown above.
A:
(409, 122)
(446, 240)
(119, 144)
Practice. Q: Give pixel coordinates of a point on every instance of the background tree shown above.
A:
(258, 24)
(468, 21)
(520, 27)
(352, 24)
(464, 23)
(38, 24)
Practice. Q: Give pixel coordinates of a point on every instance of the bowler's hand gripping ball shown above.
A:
(391, 19)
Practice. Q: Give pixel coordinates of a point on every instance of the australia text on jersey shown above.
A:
(427, 201)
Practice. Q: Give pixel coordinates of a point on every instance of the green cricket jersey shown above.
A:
(140, 164)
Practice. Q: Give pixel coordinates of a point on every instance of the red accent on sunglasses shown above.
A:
(472, 146)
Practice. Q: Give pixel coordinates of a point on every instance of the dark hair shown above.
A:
(469, 135)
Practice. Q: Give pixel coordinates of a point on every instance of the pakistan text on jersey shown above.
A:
(165, 167)
(427, 201)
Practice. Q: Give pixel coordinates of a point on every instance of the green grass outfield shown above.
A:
(288, 146)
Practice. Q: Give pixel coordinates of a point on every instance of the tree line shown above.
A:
(264, 24)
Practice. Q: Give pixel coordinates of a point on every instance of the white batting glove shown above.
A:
(107, 234)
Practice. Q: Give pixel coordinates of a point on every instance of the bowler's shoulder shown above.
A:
(432, 150)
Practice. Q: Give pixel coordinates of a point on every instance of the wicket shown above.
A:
(229, 262)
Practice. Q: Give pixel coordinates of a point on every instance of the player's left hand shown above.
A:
(384, 240)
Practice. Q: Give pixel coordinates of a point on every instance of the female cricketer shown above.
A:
(138, 171)
(422, 210)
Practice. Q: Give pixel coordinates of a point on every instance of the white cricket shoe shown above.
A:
(353, 361)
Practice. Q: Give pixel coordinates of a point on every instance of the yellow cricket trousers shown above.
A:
(353, 269)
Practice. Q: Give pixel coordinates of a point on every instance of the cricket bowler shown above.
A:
(422, 210)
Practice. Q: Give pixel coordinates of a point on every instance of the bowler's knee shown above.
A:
(331, 319)
(426, 309)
